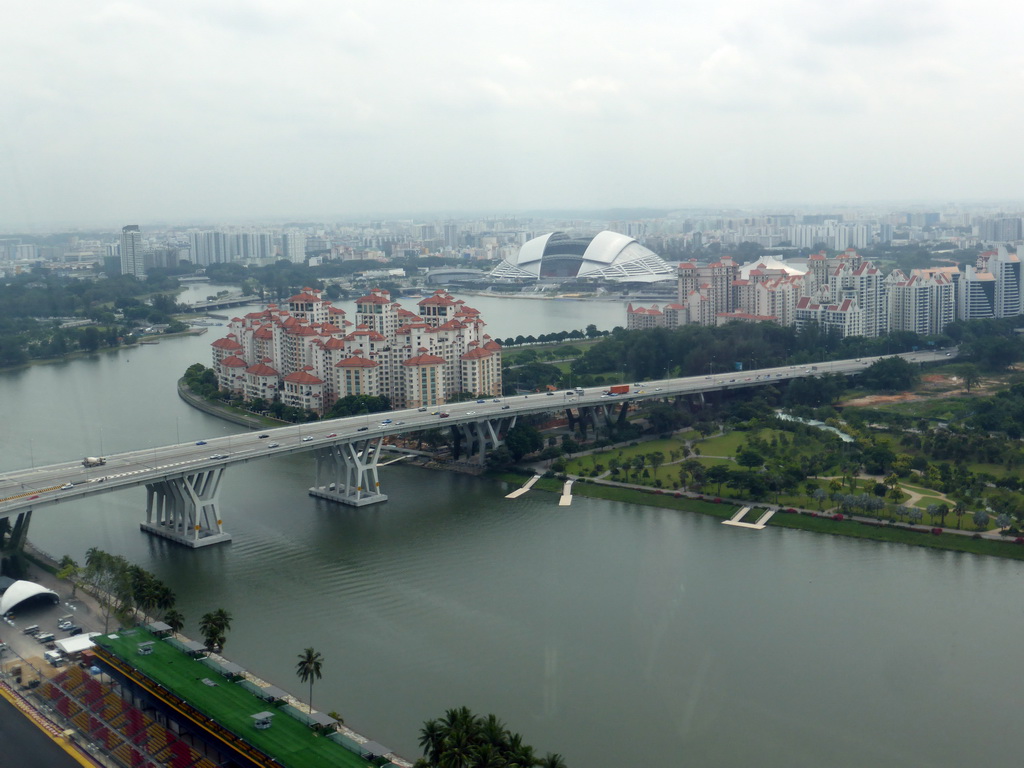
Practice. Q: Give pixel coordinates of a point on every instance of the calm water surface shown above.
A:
(613, 633)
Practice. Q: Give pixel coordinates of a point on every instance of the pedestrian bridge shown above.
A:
(182, 481)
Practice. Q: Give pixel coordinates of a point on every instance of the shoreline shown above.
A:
(869, 529)
(806, 520)
(46, 563)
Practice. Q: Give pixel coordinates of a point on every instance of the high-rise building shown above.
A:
(293, 247)
(132, 259)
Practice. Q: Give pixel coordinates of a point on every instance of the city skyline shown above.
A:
(256, 111)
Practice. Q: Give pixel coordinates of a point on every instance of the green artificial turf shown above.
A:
(288, 741)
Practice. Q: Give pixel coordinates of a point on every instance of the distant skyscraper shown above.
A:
(293, 247)
(132, 262)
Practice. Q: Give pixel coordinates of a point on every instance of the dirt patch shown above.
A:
(933, 385)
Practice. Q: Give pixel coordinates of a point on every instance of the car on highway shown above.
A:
(422, 410)
(399, 423)
(481, 401)
(550, 394)
(200, 442)
(274, 445)
(505, 407)
(386, 421)
(496, 400)
(307, 438)
(66, 486)
(362, 429)
(263, 436)
(444, 415)
(333, 434)
(471, 413)
(219, 456)
(435, 413)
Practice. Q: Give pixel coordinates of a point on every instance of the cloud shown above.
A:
(190, 108)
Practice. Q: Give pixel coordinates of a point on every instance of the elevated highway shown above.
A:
(182, 480)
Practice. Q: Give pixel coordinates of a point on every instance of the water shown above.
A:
(615, 634)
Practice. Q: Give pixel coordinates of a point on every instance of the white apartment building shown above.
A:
(311, 355)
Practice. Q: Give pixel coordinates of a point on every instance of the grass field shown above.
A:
(288, 741)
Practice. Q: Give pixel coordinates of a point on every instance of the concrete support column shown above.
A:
(185, 509)
(484, 435)
(347, 473)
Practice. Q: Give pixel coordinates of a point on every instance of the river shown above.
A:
(615, 634)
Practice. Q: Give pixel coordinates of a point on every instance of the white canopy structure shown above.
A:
(22, 590)
(77, 643)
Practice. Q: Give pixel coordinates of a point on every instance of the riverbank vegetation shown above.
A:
(45, 316)
(463, 739)
(122, 589)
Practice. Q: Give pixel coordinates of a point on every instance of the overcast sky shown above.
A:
(231, 110)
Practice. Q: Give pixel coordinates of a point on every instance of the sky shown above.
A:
(239, 110)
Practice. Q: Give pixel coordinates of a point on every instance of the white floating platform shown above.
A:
(520, 491)
(566, 498)
(737, 519)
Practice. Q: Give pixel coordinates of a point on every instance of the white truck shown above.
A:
(93, 461)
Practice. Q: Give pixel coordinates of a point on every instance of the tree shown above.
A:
(308, 669)
(552, 760)
(970, 375)
(959, 508)
(718, 473)
(749, 458)
(70, 570)
(523, 439)
(175, 620)
(214, 627)
(980, 519)
(820, 495)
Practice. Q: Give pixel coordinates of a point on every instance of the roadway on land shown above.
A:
(41, 486)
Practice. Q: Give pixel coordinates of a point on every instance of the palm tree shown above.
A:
(175, 620)
(431, 740)
(552, 760)
(308, 670)
(214, 627)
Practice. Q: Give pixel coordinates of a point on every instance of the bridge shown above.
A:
(182, 480)
(234, 300)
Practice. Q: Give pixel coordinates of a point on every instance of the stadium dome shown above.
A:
(606, 255)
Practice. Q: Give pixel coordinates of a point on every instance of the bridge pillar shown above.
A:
(485, 435)
(12, 543)
(347, 473)
(184, 509)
